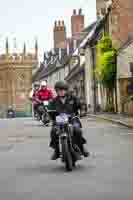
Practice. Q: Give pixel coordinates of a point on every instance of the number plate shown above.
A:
(62, 119)
(45, 103)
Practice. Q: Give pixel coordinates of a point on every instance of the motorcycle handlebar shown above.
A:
(76, 116)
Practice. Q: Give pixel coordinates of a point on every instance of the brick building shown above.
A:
(120, 18)
(121, 21)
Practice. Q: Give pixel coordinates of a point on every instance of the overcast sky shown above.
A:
(27, 19)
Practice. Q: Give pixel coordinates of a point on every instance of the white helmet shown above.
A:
(43, 83)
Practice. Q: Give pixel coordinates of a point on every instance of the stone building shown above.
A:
(55, 69)
(78, 75)
(16, 79)
(55, 64)
(121, 31)
(125, 77)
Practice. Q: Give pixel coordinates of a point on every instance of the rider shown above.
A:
(44, 94)
(67, 104)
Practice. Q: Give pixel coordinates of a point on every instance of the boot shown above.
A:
(84, 151)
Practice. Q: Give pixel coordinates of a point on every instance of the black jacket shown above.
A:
(71, 105)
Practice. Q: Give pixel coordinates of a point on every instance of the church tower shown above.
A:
(16, 79)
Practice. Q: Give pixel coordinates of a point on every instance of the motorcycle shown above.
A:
(41, 113)
(69, 152)
(11, 114)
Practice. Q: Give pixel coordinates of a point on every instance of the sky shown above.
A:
(25, 20)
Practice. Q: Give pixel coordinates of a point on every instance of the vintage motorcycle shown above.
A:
(42, 113)
(69, 152)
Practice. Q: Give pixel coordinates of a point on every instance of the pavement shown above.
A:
(27, 173)
(115, 118)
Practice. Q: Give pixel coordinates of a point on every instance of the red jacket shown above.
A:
(45, 94)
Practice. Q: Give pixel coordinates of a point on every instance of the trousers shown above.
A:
(77, 138)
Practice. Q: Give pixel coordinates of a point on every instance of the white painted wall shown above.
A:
(88, 78)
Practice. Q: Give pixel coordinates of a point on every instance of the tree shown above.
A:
(106, 68)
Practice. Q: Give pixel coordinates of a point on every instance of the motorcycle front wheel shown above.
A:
(67, 155)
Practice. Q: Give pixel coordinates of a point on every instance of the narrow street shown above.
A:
(26, 172)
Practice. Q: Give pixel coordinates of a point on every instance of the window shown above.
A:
(21, 81)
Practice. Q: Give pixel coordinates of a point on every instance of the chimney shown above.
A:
(80, 11)
(77, 23)
(74, 12)
(59, 35)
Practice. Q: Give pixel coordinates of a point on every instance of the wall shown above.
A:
(121, 21)
(15, 85)
(100, 4)
(123, 60)
(123, 78)
(58, 75)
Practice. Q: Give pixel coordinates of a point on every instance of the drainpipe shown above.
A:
(94, 80)
(116, 97)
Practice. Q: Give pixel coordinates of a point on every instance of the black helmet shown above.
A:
(61, 85)
(36, 84)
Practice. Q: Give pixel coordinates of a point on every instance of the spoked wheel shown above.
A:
(67, 155)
